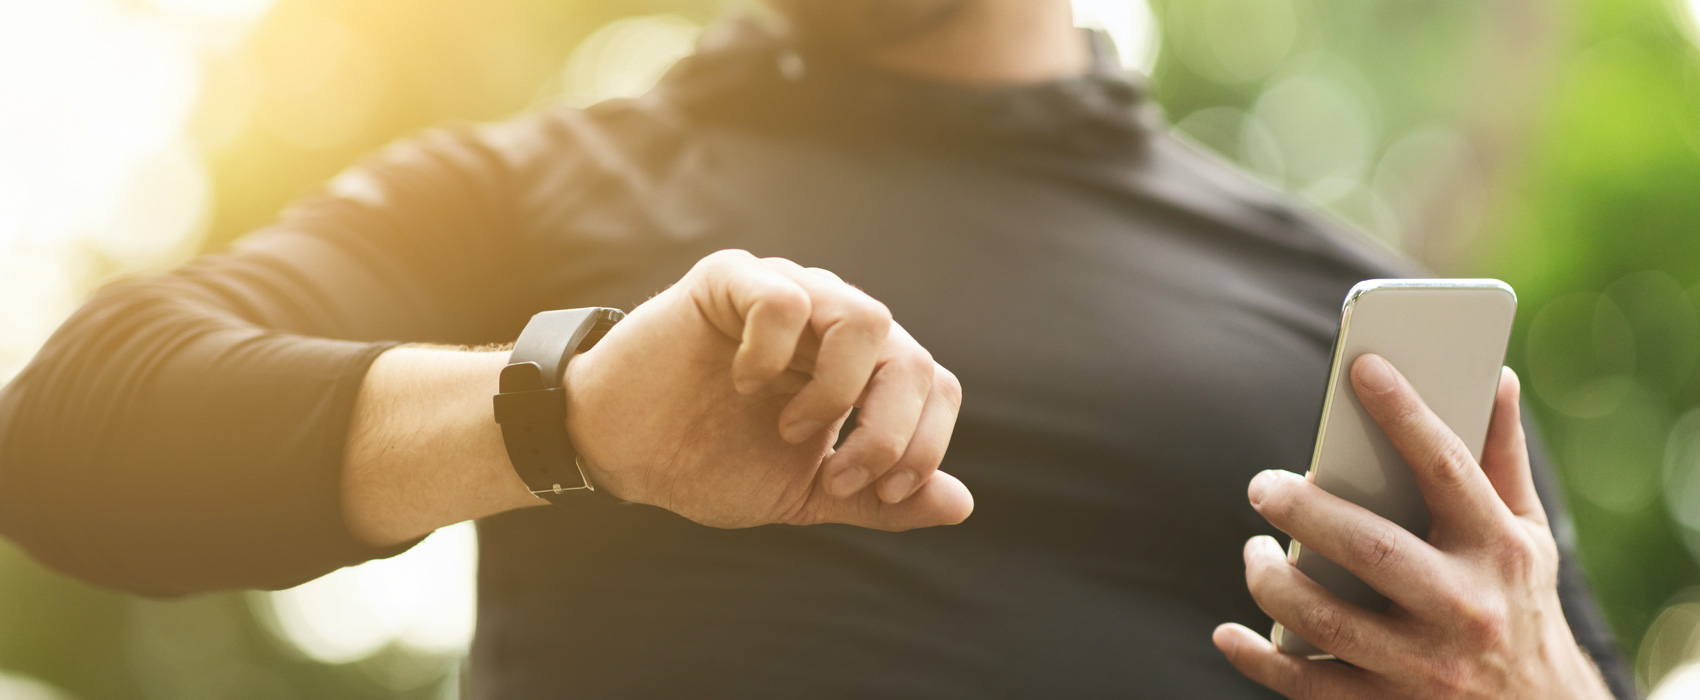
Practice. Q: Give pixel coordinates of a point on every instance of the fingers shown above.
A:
(852, 328)
(890, 412)
(1458, 494)
(855, 356)
(1389, 558)
(932, 436)
(940, 500)
(764, 308)
(1294, 600)
(1505, 456)
(1294, 677)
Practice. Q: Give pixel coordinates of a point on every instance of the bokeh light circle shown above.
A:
(626, 57)
(1233, 41)
(1322, 128)
(423, 599)
(1681, 478)
(1582, 379)
(1614, 459)
(1670, 649)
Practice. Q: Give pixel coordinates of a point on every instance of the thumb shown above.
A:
(1505, 456)
(941, 500)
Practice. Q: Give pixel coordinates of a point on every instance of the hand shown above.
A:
(720, 399)
(1475, 609)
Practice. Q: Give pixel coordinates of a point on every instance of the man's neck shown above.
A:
(996, 42)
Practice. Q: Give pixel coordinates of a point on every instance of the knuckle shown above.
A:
(789, 299)
(725, 259)
(916, 359)
(1452, 603)
(1327, 627)
(1375, 546)
(1451, 463)
(918, 366)
(867, 314)
(946, 382)
(882, 449)
(1517, 557)
(1484, 625)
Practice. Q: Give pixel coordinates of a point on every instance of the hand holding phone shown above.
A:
(1466, 606)
(1449, 338)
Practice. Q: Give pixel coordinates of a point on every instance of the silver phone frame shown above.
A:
(1346, 308)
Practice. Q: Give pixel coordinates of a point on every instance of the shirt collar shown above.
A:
(747, 72)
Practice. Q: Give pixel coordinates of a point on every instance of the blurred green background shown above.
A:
(1554, 145)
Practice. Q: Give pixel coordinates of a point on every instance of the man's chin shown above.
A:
(864, 25)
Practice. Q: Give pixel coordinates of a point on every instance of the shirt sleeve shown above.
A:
(1587, 622)
(184, 432)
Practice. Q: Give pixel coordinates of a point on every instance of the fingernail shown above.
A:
(1262, 543)
(801, 430)
(1224, 637)
(897, 487)
(1375, 374)
(849, 481)
(1260, 485)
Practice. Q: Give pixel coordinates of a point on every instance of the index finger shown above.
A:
(1459, 496)
(1389, 558)
(890, 413)
(852, 328)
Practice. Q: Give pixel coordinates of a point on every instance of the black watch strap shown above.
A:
(532, 405)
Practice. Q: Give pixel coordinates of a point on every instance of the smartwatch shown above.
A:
(531, 405)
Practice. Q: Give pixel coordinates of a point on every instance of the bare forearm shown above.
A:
(423, 449)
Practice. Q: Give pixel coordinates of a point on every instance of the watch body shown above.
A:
(532, 404)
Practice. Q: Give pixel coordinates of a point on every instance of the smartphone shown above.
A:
(1448, 337)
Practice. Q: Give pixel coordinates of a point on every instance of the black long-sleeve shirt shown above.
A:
(1139, 330)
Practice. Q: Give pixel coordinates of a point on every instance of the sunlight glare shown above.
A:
(1130, 23)
(1693, 16)
(422, 599)
(626, 57)
(91, 91)
(219, 10)
(96, 98)
(17, 687)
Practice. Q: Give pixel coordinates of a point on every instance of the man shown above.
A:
(1140, 331)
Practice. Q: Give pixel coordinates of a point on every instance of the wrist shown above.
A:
(580, 381)
(1578, 677)
(422, 451)
(1586, 679)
